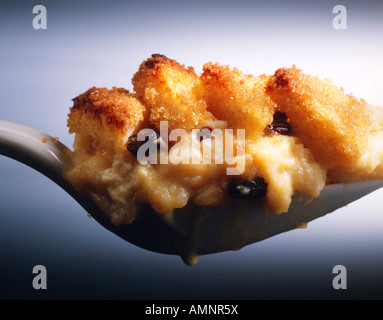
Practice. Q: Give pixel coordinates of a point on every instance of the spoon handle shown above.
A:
(48, 156)
(35, 149)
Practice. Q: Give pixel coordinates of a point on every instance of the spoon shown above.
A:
(191, 231)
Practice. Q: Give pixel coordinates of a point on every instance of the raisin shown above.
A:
(151, 63)
(280, 117)
(247, 189)
(158, 55)
(205, 133)
(280, 124)
(133, 144)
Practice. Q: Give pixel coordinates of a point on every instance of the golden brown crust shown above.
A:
(171, 92)
(115, 107)
(237, 98)
(106, 117)
(329, 135)
(332, 124)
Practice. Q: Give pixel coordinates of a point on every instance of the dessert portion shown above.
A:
(219, 136)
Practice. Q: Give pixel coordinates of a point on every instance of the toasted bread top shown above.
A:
(106, 116)
(334, 125)
(237, 98)
(171, 92)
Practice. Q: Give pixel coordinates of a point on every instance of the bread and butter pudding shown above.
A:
(216, 137)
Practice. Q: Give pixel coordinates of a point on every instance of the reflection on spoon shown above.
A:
(192, 230)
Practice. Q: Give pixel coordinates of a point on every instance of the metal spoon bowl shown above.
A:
(192, 230)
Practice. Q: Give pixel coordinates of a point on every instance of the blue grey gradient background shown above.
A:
(102, 43)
